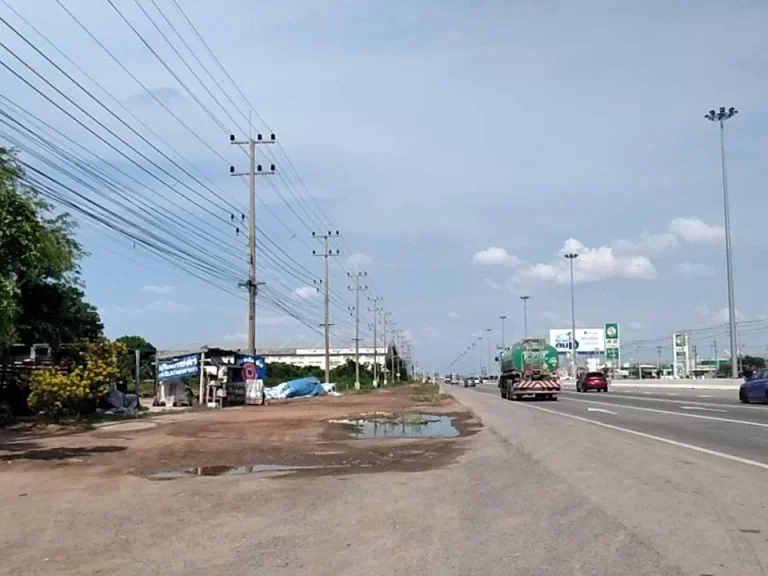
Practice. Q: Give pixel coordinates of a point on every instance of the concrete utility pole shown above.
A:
(525, 315)
(137, 354)
(253, 171)
(357, 289)
(376, 309)
(571, 256)
(720, 117)
(480, 356)
(385, 322)
(396, 347)
(326, 254)
(658, 362)
(503, 344)
(717, 360)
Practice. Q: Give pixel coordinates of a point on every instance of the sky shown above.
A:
(459, 148)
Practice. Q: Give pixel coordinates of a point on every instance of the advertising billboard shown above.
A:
(178, 367)
(588, 340)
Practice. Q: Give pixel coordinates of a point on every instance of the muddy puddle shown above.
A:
(229, 471)
(400, 426)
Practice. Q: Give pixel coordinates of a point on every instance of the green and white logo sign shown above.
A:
(612, 331)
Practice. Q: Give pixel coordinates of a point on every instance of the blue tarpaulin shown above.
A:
(300, 388)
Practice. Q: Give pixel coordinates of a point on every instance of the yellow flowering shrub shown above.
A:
(53, 394)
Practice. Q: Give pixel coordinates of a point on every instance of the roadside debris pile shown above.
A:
(117, 402)
(300, 388)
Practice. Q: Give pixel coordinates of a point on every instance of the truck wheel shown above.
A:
(553, 397)
(503, 394)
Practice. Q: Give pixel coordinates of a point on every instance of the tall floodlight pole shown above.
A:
(480, 355)
(503, 344)
(253, 171)
(489, 351)
(571, 256)
(720, 117)
(525, 315)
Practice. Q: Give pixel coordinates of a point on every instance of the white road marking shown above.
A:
(600, 410)
(699, 449)
(704, 409)
(657, 411)
(703, 396)
(647, 393)
(672, 394)
(623, 396)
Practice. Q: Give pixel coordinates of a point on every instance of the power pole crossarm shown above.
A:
(253, 171)
(326, 254)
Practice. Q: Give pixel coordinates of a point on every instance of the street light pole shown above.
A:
(489, 351)
(720, 117)
(503, 344)
(571, 256)
(525, 315)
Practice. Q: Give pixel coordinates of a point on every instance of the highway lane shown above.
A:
(692, 489)
(726, 427)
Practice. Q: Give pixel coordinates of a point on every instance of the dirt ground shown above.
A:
(286, 433)
(84, 503)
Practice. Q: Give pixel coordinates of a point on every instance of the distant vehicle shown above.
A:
(591, 381)
(470, 382)
(755, 389)
(529, 369)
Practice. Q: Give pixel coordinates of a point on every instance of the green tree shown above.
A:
(126, 362)
(41, 299)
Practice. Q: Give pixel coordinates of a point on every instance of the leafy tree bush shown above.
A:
(55, 395)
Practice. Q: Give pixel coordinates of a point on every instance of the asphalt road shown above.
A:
(685, 470)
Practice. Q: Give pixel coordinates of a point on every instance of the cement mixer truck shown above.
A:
(528, 369)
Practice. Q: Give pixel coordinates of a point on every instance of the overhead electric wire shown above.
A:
(115, 116)
(117, 101)
(100, 175)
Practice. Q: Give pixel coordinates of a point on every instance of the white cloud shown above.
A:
(636, 325)
(154, 289)
(591, 265)
(360, 261)
(691, 270)
(305, 293)
(167, 306)
(710, 316)
(494, 256)
(647, 244)
(694, 231)
(492, 284)
(453, 315)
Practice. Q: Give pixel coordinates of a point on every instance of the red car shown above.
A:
(592, 381)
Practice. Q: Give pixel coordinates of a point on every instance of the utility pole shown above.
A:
(376, 309)
(717, 360)
(357, 289)
(571, 256)
(488, 369)
(137, 353)
(326, 254)
(385, 322)
(396, 359)
(253, 171)
(525, 315)
(695, 360)
(658, 362)
(720, 117)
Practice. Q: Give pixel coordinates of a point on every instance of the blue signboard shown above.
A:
(178, 367)
(253, 367)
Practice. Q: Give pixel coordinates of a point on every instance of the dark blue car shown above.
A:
(755, 389)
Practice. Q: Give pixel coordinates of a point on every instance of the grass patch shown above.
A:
(427, 392)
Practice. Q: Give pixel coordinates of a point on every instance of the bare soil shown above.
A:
(290, 433)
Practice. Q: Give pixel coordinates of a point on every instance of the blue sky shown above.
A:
(459, 148)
